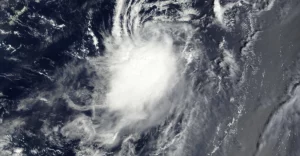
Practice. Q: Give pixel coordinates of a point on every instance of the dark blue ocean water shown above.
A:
(40, 51)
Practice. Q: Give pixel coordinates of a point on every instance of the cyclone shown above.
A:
(148, 77)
